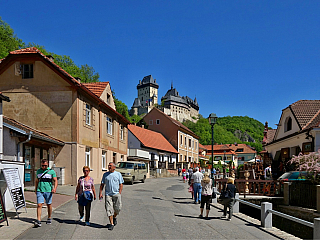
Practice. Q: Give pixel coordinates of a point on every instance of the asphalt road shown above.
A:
(158, 209)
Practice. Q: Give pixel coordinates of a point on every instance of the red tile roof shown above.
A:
(151, 139)
(97, 88)
(307, 112)
(246, 148)
(72, 80)
(35, 133)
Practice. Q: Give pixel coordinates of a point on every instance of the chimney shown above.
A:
(50, 58)
(142, 126)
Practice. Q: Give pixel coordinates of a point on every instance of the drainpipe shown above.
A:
(29, 138)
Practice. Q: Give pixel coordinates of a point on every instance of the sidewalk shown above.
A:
(18, 225)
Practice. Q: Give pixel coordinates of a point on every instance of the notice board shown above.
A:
(3, 215)
(15, 187)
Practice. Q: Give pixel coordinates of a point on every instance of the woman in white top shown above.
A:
(206, 195)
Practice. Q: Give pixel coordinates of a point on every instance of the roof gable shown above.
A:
(34, 52)
(177, 123)
(151, 139)
(97, 87)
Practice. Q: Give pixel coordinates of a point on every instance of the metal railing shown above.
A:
(266, 216)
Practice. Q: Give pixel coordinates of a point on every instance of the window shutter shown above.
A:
(93, 116)
(17, 69)
(84, 113)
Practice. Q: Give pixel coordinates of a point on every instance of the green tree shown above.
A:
(85, 72)
(121, 107)
(8, 40)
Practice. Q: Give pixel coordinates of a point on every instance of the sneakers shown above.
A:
(81, 219)
(115, 222)
(229, 219)
(111, 227)
(223, 216)
(200, 216)
(37, 223)
(49, 221)
(87, 223)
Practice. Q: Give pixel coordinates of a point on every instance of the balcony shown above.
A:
(138, 154)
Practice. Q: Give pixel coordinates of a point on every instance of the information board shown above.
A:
(14, 185)
(3, 216)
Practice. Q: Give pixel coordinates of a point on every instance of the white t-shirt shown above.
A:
(197, 177)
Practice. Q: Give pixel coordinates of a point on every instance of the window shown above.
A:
(121, 132)
(189, 143)
(181, 159)
(88, 114)
(185, 141)
(108, 99)
(88, 157)
(181, 140)
(158, 121)
(103, 159)
(109, 125)
(150, 122)
(288, 124)
(114, 157)
(27, 71)
(239, 150)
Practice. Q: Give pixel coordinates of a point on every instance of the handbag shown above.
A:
(86, 194)
(225, 193)
(85, 197)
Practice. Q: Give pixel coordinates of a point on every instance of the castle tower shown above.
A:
(148, 91)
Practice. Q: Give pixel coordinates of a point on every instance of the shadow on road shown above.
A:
(69, 221)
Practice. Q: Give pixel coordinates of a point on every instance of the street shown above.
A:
(158, 209)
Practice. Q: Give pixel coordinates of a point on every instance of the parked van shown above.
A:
(133, 171)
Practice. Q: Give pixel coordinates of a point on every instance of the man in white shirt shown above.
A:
(268, 173)
(196, 180)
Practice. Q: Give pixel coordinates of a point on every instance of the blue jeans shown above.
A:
(197, 188)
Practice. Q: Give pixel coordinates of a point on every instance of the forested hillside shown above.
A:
(9, 41)
(229, 130)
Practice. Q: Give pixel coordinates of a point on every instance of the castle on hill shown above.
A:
(178, 107)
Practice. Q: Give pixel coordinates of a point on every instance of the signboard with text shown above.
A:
(15, 188)
(3, 216)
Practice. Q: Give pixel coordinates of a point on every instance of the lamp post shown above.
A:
(212, 120)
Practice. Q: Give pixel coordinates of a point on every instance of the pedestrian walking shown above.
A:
(85, 187)
(206, 194)
(179, 171)
(46, 184)
(229, 200)
(196, 180)
(268, 173)
(113, 182)
(184, 175)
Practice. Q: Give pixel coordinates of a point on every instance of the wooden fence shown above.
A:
(255, 187)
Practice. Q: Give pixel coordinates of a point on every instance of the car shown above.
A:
(133, 171)
(293, 176)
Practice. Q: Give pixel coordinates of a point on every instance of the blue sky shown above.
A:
(238, 58)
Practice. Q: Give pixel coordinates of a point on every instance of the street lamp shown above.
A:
(212, 120)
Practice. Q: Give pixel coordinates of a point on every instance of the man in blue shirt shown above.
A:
(114, 184)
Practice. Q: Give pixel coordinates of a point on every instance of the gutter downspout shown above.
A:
(19, 151)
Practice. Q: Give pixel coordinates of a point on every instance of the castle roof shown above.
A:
(136, 103)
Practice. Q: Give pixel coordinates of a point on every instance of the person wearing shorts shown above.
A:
(45, 185)
(114, 184)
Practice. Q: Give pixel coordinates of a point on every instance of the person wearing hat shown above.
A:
(206, 194)
(229, 201)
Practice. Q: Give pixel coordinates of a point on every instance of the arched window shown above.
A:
(288, 124)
